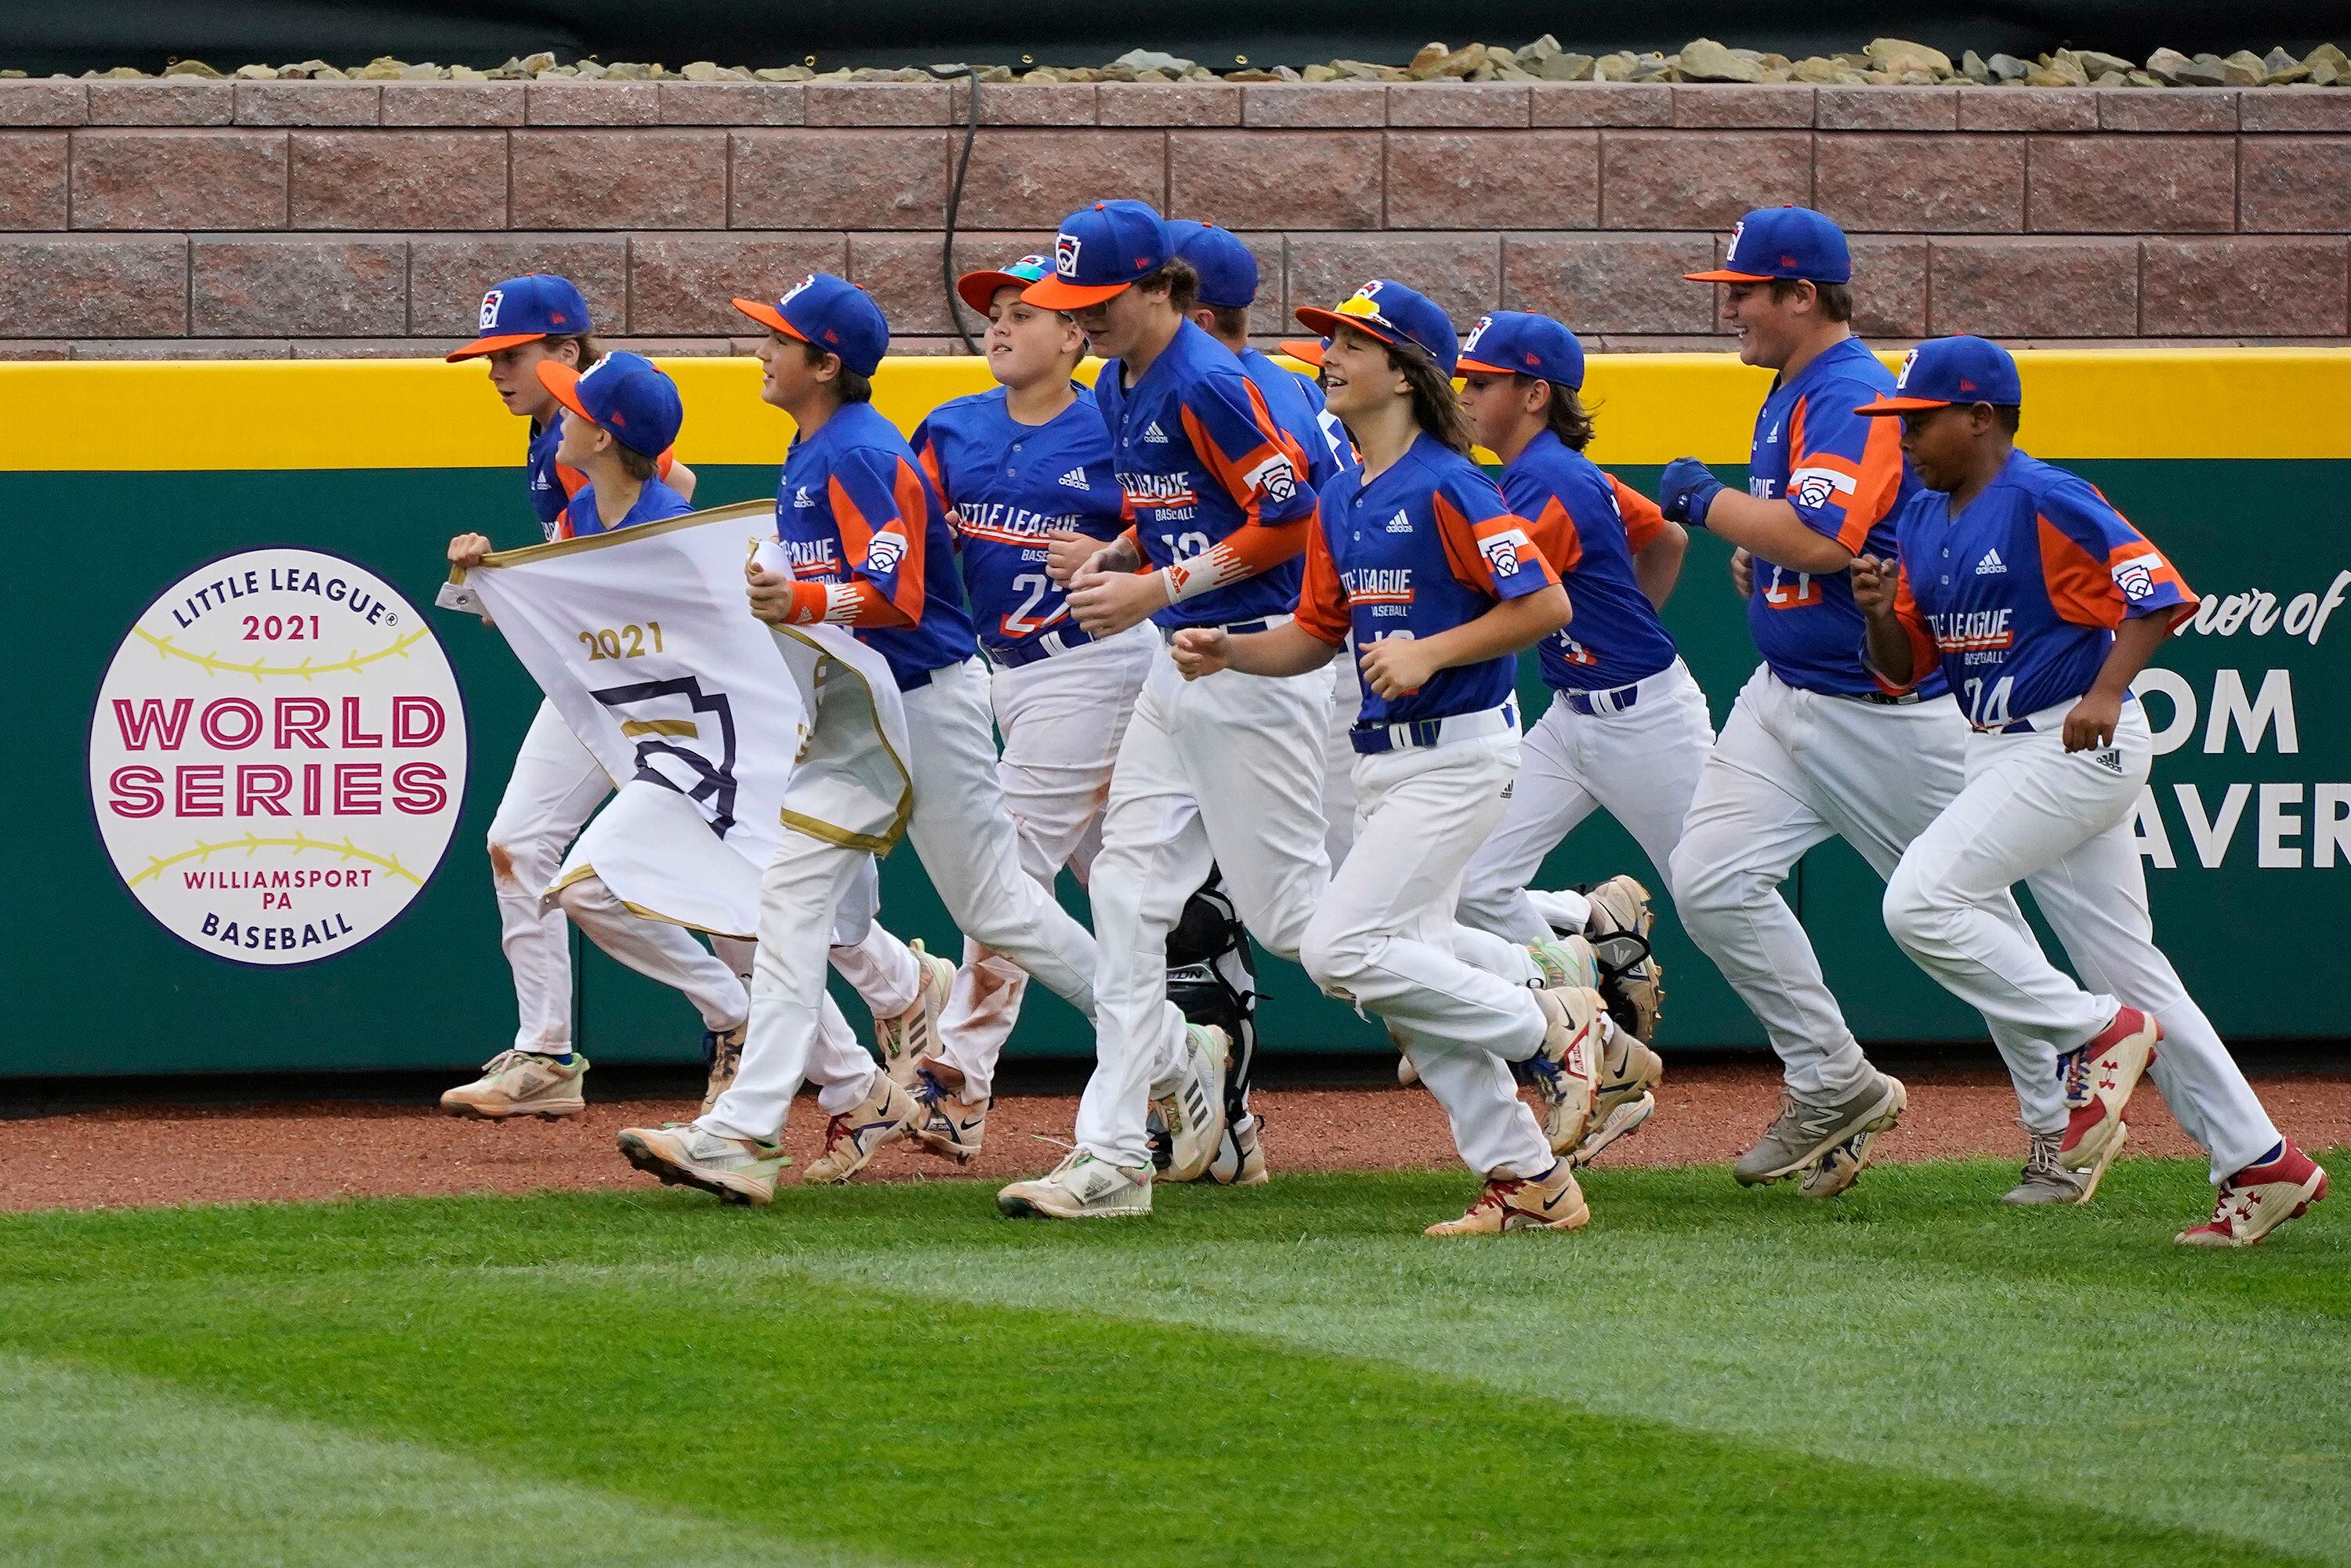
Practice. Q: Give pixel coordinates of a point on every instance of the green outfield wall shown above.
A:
(2246, 828)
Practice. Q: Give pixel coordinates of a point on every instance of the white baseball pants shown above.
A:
(1640, 764)
(1061, 720)
(1385, 938)
(1791, 769)
(2061, 823)
(555, 787)
(1227, 771)
(1338, 758)
(971, 852)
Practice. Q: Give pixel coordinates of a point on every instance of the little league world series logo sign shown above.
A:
(277, 756)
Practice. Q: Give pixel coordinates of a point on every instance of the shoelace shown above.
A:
(1499, 1193)
(2041, 1160)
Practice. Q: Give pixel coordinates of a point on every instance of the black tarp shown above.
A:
(42, 36)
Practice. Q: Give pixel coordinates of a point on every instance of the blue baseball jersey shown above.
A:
(1200, 457)
(1581, 519)
(1427, 546)
(653, 502)
(1006, 486)
(552, 485)
(1844, 475)
(1296, 404)
(854, 509)
(2016, 597)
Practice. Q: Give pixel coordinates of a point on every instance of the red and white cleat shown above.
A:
(2260, 1198)
(2099, 1078)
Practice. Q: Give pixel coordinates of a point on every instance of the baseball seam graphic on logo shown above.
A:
(1065, 254)
(886, 550)
(2136, 577)
(1274, 476)
(1816, 486)
(490, 303)
(1502, 550)
(336, 796)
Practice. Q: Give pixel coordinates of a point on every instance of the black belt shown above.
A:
(1883, 699)
(1040, 645)
(1235, 628)
(1615, 699)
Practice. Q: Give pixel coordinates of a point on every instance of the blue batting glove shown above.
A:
(1686, 490)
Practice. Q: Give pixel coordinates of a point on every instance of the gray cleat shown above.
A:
(2046, 1182)
(1802, 1132)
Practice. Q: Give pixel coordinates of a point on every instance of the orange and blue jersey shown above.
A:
(653, 504)
(1211, 481)
(1589, 527)
(1844, 475)
(1296, 404)
(856, 516)
(1008, 487)
(2016, 599)
(1427, 546)
(554, 485)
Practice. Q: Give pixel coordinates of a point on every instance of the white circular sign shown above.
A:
(277, 756)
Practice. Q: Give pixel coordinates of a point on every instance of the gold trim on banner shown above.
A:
(584, 871)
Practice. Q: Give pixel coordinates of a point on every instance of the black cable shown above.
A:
(955, 198)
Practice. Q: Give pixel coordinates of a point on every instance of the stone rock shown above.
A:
(1617, 67)
(428, 71)
(2007, 68)
(627, 70)
(1816, 68)
(1424, 65)
(701, 70)
(2059, 69)
(1496, 56)
(2165, 65)
(2328, 66)
(190, 69)
(1972, 66)
(1513, 73)
(1565, 68)
(2141, 78)
(1489, 71)
(269, 73)
(2278, 68)
(2204, 70)
(533, 64)
(1446, 65)
(1154, 61)
(1541, 49)
(1773, 61)
(467, 73)
(2243, 68)
(1320, 73)
(1895, 55)
(1250, 74)
(2097, 65)
(1703, 59)
(383, 68)
(560, 72)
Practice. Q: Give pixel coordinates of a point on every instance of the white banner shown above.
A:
(642, 640)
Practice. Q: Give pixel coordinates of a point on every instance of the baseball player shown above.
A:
(525, 323)
(1813, 747)
(1219, 772)
(1015, 466)
(1416, 564)
(868, 548)
(2040, 604)
(1627, 727)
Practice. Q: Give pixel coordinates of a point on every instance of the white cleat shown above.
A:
(1080, 1188)
(1191, 1104)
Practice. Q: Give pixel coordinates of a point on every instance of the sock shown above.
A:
(2277, 1153)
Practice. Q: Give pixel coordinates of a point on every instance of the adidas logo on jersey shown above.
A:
(2112, 761)
(1152, 433)
(1400, 524)
(1773, 439)
(1075, 479)
(1990, 564)
(801, 497)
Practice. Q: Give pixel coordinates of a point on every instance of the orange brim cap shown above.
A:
(979, 289)
(771, 317)
(1308, 351)
(1055, 295)
(483, 346)
(1489, 369)
(1902, 405)
(564, 382)
(1722, 276)
(1328, 322)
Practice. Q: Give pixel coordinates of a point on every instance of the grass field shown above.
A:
(891, 1375)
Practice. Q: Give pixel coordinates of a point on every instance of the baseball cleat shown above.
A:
(1630, 975)
(2098, 1078)
(1407, 1073)
(914, 1034)
(946, 1124)
(723, 1049)
(1564, 961)
(1803, 1132)
(522, 1083)
(1562, 1068)
(2260, 1198)
(680, 1153)
(1839, 1169)
(1240, 1155)
(1622, 1098)
(1548, 1202)
(1191, 1104)
(852, 1138)
(2047, 1182)
(1080, 1188)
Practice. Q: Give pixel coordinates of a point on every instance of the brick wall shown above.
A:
(187, 218)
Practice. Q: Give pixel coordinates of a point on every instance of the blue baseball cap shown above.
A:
(1521, 343)
(1388, 310)
(1228, 268)
(1101, 251)
(1947, 371)
(1785, 242)
(828, 313)
(525, 310)
(979, 289)
(625, 394)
